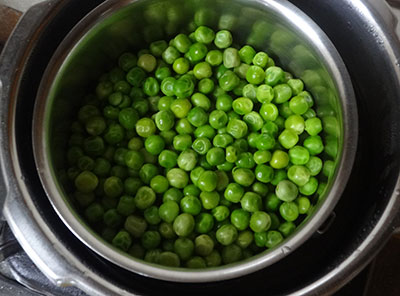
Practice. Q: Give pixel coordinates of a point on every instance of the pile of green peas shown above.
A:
(196, 152)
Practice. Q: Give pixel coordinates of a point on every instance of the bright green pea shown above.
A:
(200, 100)
(237, 128)
(231, 58)
(182, 142)
(191, 190)
(136, 76)
(197, 116)
(310, 187)
(296, 85)
(247, 54)
(313, 126)
(215, 156)
(205, 131)
(265, 93)
(177, 178)
(265, 142)
(260, 221)
(299, 155)
(167, 159)
(279, 159)
(228, 81)
(183, 87)
(181, 65)
(251, 202)
(298, 174)
(184, 127)
(209, 200)
(314, 165)
(223, 39)
(261, 157)
(201, 145)
(181, 107)
(204, 35)
(159, 184)
(172, 194)
(282, 93)
(220, 213)
(314, 145)
(288, 139)
(207, 181)
(202, 70)
(206, 86)
(245, 160)
(214, 57)
(182, 43)
(255, 75)
(187, 160)
(145, 127)
(242, 176)
(170, 54)
(261, 59)
(274, 75)
(303, 204)
(224, 103)
(227, 234)
(240, 219)
(295, 123)
(167, 86)
(242, 106)
(289, 211)
(273, 238)
(298, 105)
(269, 112)
(264, 173)
(154, 144)
(196, 53)
(286, 190)
(231, 154)
(184, 224)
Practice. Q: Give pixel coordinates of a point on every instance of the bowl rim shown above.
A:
(335, 67)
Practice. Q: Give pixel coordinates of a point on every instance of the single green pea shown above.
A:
(182, 43)
(265, 142)
(215, 156)
(184, 127)
(231, 253)
(310, 187)
(187, 160)
(202, 70)
(231, 57)
(247, 54)
(182, 142)
(197, 52)
(181, 107)
(177, 178)
(255, 75)
(209, 200)
(205, 131)
(241, 71)
(274, 238)
(264, 173)
(265, 93)
(159, 184)
(145, 197)
(274, 75)
(303, 204)
(172, 194)
(295, 123)
(299, 155)
(154, 144)
(314, 145)
(147, 62)
(136, 76)
(251, 202)
(167, 159)
(170, 54)
(167, 86)
(207, 181)
(191, 189)
(288, 139)
(242, 176)
(279, 159)
(220, 213)
(262, 156)
(300, 175)
(240, 219)
(213, 259)
(286, 190)
(135, 225)
(151, 215)
(122, 240)
(114, 134)
(261, 59)
(245, 160)
(205, 86)
(184, 224)
(314, 165)
(183, 87)
(145, 127)
(204, 223)
(200, 100)
(282, 93)
(224, 103)
(204, 35)
(237, 128)
(260, 221)
(242, 105)
(289, 211)
(214, 57)
(298, 105)
(250, 91)
(197, 116)
(228, 81)
(313, 126)
(269, 112)
(227, 234)
(223, 39)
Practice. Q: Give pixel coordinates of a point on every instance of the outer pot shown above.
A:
(106, 32)
(365, 217)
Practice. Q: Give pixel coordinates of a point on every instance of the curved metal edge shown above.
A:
(336, 69)
(52, 258)
(380, 17)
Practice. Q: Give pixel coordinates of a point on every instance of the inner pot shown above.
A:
(277, 27)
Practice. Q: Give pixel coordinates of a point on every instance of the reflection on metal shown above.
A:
(278, 27)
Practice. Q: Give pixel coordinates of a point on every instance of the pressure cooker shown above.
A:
(363, 219)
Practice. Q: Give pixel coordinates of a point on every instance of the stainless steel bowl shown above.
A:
(278, 27)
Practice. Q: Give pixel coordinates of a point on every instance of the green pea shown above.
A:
(303, 204)
(86, 182)
(197, 116)
(242, 106)
(200, 100)
(220, 213)
(264, 173)
(154, 144)
(240, 219)
(269, 112)
(135, 225)
(177, 178)
(226, 235)
(181, 107)
(197, 52)
(205, 131)
(298, 105)
(204, 223)
(183, 87)
(207, 181)
(251, 202)
(145, 127)
(182, 43)
(122, 240)
(247, 54)
(274, 75)
(243, 176)
(167, 86)
(289, 211)
(260, 221)
(298, 174)
(181, 65)
(314, 145)
(262, 156)
(265, 142)
(274, 238)
(127, 61)
(215, 156)
(231, 58)
(184, 224)
(145, 197)
(202, 70)
(159, 184)
(237, 128)
(255, 75)
(205, 86)
(209, 200)
(310, 187)
(286, 190)
(187, 160)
